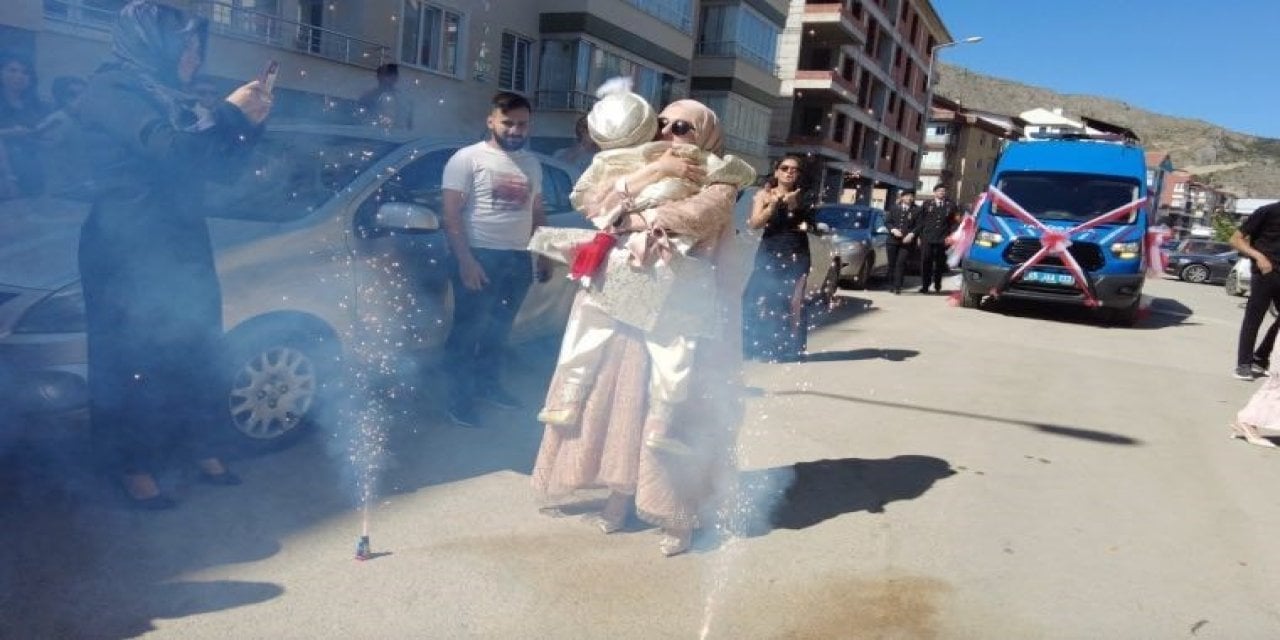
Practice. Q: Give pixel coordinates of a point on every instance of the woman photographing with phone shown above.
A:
(152, 298)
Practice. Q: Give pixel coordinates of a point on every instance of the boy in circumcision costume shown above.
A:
(644, 279)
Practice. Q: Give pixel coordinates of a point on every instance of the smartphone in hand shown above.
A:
(268, 76)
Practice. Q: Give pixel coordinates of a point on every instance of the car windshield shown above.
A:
(291, 173)
(852, 218)
(1204, 247)
(1067, 196)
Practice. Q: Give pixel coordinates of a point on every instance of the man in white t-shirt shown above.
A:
(492, 203)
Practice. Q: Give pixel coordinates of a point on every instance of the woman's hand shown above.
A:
(765, 199)
(671, 165)
(791, 199)
(253, 100)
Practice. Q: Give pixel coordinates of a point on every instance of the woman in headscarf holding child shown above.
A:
(152, 298)
(666, 462)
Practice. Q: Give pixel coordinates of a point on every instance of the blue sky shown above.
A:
(1215, 60)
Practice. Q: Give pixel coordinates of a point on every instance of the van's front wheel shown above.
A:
(968, 298)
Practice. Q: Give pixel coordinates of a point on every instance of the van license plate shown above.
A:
(1048, 277)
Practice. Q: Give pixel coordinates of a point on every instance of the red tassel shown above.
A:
(588, 257)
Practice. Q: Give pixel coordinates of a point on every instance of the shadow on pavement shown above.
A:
(850, 355)
(1164, 312)
(809, 493)
(78, 562)
(1160, 313)
(1053, 429)
(842, 307)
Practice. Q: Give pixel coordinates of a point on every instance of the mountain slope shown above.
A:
(1246, 165)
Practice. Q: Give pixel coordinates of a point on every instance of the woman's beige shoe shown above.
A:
(1249, 434)
(560, 417)
(675, 542)
(614, 515)
(667, 445)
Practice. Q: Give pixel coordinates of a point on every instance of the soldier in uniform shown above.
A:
(938, 218)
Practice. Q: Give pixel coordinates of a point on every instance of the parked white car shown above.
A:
(1237, 283)
(333, 243)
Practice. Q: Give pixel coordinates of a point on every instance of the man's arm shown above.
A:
(539, 211)
(542, 269)
(1242, 244)
(455, 229)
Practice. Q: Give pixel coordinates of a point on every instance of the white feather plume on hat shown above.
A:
(621, 118)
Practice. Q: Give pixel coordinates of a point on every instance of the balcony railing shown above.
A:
(677, 14)
(827, 75)
(271, 30)
(818, 13)
(745, 146)
(76, 12)
(731, 48)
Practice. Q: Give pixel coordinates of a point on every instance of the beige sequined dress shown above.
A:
(605, 451)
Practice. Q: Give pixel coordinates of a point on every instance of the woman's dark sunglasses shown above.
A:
(678, 127)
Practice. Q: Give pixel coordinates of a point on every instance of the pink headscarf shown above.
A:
(706, 126)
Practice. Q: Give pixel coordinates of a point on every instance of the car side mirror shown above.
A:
(406, 217)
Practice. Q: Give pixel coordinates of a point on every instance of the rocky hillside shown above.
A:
(1246, 165)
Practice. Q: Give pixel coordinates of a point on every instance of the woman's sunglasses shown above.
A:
(678, 127)
(788, 168)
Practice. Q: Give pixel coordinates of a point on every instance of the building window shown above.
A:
(736, 30)
(571, 70)
(90, 12)
(516, 63)
(429, 36)
(677, 13)
(745, 123)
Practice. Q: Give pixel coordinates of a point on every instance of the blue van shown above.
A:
(1057, 190)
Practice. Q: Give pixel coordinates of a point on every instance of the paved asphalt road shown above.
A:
(952, 474)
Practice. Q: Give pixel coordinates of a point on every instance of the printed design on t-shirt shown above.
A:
(510, 190)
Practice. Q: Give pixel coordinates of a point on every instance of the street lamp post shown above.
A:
(928, 97)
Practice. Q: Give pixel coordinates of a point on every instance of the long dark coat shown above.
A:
(157, 374)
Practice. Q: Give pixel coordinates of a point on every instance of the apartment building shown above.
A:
(854, 91)
(454, 54)
(961, 147)
(1159, 166)
(1188, 204)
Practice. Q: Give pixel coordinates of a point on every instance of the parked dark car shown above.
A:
(1211, 266)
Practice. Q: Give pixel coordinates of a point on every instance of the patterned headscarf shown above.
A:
(706, 126)
(148, 40)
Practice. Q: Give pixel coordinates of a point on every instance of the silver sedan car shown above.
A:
(330, 246)
(824, 260)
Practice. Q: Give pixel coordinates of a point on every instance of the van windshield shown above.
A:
(1072, 197)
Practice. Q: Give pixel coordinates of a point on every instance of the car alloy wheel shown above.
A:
(272, 393)
(1196, 273)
